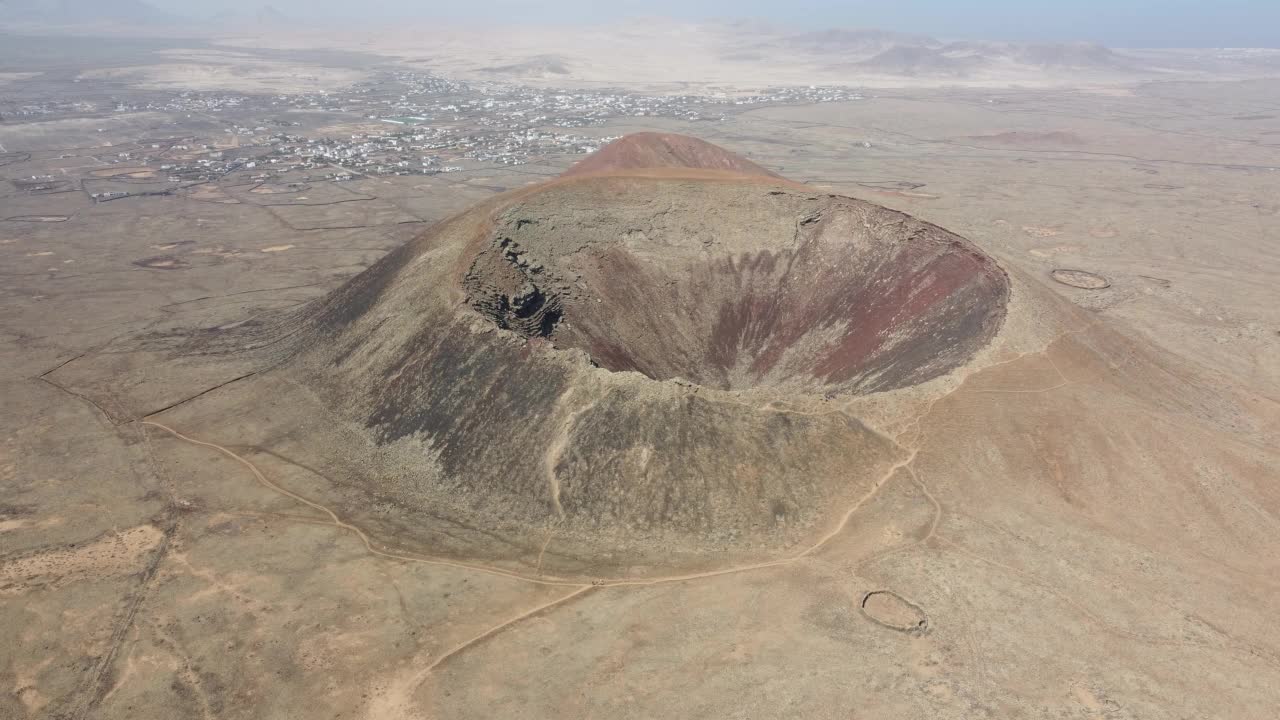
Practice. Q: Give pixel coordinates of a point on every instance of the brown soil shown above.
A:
(1019, 137)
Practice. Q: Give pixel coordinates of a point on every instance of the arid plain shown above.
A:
(1079, 519)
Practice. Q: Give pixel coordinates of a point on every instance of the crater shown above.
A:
(737, 288)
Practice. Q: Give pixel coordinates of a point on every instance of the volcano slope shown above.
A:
(606, 355)
(787, 453)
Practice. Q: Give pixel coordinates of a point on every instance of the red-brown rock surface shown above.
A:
(648, 150)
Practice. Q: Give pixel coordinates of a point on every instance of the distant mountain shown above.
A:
(225, 17)
(909, 60)
(269, 15)
(896, 53)
(1072, 55)
(959, 59)
(265, 17)
(69, 12)
(856, 41)
(539, 66)
(1049, 56)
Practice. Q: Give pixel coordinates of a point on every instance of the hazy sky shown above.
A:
(1161, 23)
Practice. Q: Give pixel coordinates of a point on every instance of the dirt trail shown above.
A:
(556, 449)
(337, 522)
(614, 582)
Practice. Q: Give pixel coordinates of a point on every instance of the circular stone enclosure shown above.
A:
(1082, 279)
(888, 608)
(737, 286)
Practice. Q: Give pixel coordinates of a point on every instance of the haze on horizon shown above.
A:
(1118, 23)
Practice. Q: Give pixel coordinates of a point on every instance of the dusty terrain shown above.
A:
(675, 56)
(239, 479)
